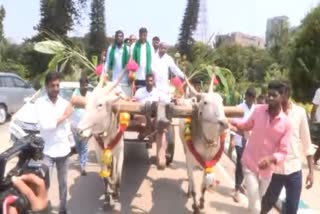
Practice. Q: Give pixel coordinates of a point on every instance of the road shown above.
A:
(145, 189)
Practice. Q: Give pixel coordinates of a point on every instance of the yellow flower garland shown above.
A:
(106, 157)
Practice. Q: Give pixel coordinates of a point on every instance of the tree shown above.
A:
(97, 35)
(188, 26)
(305, 61)
(2, 15)
(58, 16)
(246, 63)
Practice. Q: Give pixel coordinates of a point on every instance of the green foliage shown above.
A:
(275, 72)
(58, 16)
(97, 35)
(67, 57)
(305, 58)
(245, 62)
(188, 26)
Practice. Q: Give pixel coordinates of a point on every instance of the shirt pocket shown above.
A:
(277, 130)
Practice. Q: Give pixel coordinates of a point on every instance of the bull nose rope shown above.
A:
(208, 166)
(106, 158)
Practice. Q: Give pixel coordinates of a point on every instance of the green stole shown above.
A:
(137, 55)
(125, 57)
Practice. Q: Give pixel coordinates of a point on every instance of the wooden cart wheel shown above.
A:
(170, 135)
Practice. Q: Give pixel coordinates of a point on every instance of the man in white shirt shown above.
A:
(240, 140)
(289, 173)
(315, 118)
(162, 66)
(143, 54)
(52, 113)
(116, 60)
(155, 44)
(150, 94)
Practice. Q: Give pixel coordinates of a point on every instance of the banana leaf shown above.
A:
(55, 60)
(49, 47)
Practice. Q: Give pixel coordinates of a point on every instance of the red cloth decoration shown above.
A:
(115, 141)
(215, 81)
(176, 82)
(99, 69)
(203, 163)
(132, 65)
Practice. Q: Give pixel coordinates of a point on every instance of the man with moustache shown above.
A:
(143, 55)
(52, 113)
(116, 60)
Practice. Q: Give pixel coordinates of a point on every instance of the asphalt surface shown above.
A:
(144, 189)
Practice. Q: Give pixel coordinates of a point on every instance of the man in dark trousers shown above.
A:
(289, 173)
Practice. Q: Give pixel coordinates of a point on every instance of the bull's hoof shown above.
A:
(161, 164)
(201, 205)
(108, 203)
(196, 209)
(161, 167)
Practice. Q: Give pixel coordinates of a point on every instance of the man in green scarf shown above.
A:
(116, 60)
(143, 54)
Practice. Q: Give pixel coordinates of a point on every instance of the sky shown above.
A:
(163, 17)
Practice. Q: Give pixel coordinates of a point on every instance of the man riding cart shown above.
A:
(150, 96)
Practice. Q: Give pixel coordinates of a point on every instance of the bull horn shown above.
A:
(193, 90)
(211, 87)
(124, 71)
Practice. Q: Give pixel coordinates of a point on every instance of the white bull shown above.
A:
(101, 122)
(207, 124)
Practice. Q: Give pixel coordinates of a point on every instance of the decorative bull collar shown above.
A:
(106, 157)
(124, 120)
(207, 165)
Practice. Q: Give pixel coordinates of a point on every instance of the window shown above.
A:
(6, 82)
(18, 82)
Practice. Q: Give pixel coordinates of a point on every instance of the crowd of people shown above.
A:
(267, 139)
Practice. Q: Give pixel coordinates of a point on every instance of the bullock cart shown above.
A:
(115, 116)
(173, 112)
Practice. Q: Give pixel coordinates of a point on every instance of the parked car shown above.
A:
(24, 122)
(13, 91)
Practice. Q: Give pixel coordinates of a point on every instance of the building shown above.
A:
(240, 39)
(277, 31)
